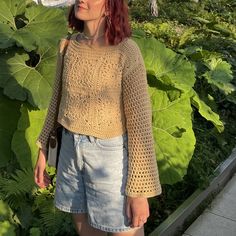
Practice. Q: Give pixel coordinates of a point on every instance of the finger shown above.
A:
(143, 221)
(140, 224)
(40, 176)
(43, 179)
(35, 175)
(135, 221)
(128, 211)
(46, 178)
(37, 180)
(47, 181)
(46, 174)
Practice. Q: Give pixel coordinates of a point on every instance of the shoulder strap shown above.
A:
(64, 43)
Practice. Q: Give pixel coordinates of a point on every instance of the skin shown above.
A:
(137, 208)
(93, 17)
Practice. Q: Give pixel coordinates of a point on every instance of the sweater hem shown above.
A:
(93, 132)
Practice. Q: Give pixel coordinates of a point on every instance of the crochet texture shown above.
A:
(104, 92)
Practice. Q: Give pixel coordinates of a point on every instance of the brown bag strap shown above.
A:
(64, 45)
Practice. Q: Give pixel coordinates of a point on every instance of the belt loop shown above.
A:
(76, 137)
(66, 131)
(91, 138)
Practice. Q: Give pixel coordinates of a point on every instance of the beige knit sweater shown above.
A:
(103, 92)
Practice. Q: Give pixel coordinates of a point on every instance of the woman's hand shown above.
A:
(41, 177)
(137, 210)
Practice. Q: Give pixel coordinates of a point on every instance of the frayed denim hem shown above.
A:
(109, 229)
(69, 209)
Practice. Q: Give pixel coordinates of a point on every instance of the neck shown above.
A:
(94, 28)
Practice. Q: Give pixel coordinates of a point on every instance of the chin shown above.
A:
(79, 16)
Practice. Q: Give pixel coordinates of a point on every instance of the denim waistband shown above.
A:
(79, 136)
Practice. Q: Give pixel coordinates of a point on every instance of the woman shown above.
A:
(107, 167)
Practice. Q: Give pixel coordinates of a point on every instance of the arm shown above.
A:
(143, 176)
(51, 117)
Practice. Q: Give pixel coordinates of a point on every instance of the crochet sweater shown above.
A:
(103, 91)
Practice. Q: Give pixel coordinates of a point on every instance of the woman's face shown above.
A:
(88, 10)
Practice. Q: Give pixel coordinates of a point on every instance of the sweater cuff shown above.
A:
(41, 146)
(142, 194)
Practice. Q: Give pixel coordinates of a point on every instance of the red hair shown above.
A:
(115, 31)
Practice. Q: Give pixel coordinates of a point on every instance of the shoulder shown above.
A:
(130, 47)
(132, 54)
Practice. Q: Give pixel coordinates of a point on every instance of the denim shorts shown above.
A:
(91, 178)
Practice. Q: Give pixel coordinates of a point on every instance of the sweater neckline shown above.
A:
(95, 48)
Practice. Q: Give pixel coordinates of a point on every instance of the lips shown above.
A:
(81, 7)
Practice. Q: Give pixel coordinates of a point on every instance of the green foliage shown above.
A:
(51, 218)
(29, 27)
(8, 121)
(170, 68)
(232, 97)
(14, 191)
(172, 129)
(139, 10)
(24, 206)
(51, 221)
(189, 53)
(206, 111)
(35, 231)
(29, 36)
(217, 73)
(220, 75)
(6, 229)
(28, 51)
(20, 182)
(24, 81)
(168, 32)
(24, 139)
(205, 34)
(171, 81)
(5, 211)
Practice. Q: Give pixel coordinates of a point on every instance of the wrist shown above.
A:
(136, 197)
(43, 151)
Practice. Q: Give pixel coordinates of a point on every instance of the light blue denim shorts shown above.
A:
(91, 178)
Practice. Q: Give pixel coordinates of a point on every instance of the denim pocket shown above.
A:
(114, 143)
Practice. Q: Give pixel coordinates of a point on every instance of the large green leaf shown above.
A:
(25, 82)
(9, 9)
(173, 70)
(24, 139)
(206, 111)
(173, 134)
(31, 26)
(10, 113)
(220, 74)
(166, 65)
